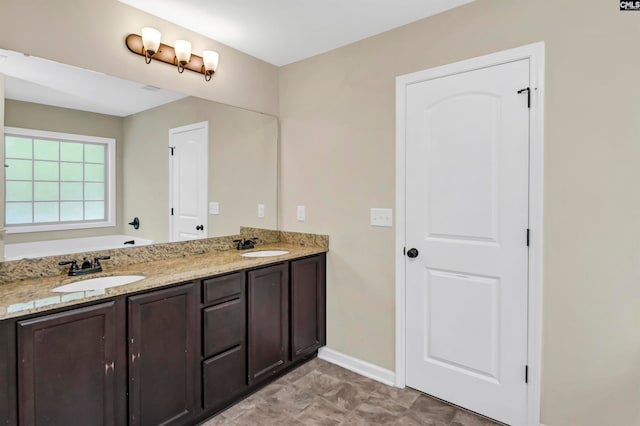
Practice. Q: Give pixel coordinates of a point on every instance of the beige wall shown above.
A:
(243, 156)
(338, 137)
(90, 34)
(54, 119)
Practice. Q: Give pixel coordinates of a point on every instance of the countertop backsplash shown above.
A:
(27, 269)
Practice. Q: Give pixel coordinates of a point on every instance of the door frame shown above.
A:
(200, 125)
(535, 53)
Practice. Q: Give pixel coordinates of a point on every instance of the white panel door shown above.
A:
(467, 216)
(189, 178)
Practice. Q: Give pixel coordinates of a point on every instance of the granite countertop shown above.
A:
(34, 295)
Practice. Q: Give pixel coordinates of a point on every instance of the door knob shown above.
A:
(412, 253)
(199, 227)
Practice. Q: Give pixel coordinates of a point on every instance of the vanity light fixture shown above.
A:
(183, 54)
(150, 42)
(210, 63)
(150, 46)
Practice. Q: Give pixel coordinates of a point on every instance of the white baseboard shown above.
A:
(359, 366)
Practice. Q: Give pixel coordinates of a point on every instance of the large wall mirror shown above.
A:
(242, 152)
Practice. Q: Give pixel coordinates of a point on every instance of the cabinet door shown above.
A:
(163, 363)
(8, 385)
(66, 371)
(268, 309)
(307, 306)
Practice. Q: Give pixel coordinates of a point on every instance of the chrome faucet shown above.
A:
(87, 267)
(243, 244)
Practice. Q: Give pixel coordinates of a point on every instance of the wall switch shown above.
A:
(382, 217)
(300, 213)
(261, 211)
(214, 208)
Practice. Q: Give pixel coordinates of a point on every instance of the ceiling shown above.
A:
(285, 31)
(37, 80)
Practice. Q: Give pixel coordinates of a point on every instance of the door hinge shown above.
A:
(171, 211)
(404, 250)
(528, 234)
(528, 90)
(526, 374)
(172, 148)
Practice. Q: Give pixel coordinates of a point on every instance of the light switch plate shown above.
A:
(382, 217)
(261, 211)
(300, 213)
(214, 208)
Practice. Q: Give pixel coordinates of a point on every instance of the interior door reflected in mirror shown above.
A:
(48, 96)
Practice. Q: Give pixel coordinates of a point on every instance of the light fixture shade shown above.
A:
(183, 51)
(210, 59)
(151, 40)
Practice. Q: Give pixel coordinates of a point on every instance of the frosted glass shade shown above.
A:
(150, 39)
(183, 51)
(210, 60)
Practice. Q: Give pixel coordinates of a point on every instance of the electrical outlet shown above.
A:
(261, 211)
(300, 213)
(214, 208)
(381, 217)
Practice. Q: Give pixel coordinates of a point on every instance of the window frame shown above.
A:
(110, 181)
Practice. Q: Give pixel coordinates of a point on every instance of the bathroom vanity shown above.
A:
(165, 350)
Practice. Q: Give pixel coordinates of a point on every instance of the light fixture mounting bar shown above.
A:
(164, 54)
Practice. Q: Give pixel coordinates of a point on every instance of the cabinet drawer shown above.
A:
(224, 377)
(222, 288)
(224, 326)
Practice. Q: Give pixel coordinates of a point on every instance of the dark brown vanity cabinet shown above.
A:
(163, 358)
(308, 306)
(67, 365)
(224, 340)
(268, 316)
(169, 356)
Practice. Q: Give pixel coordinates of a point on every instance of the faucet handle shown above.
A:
(73, 268)
(73, 263)
(239, 244)
(96, 260)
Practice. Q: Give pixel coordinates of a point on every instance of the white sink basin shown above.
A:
(98, 283)
(265, 253)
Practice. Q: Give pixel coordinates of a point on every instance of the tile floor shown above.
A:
(321, 393)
